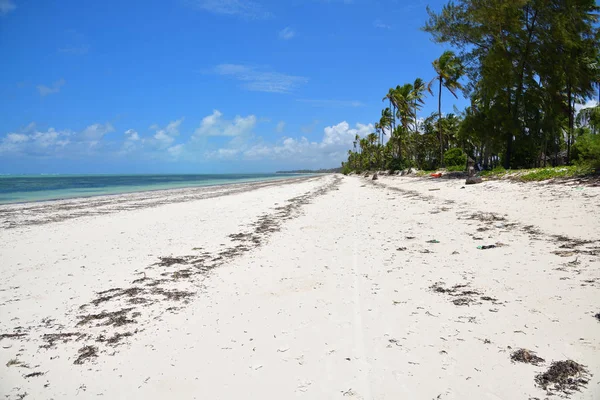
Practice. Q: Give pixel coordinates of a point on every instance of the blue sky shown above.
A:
(201, 85)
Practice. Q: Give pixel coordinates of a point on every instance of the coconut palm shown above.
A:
(449, 70)
(390, 96)
(403, 99)
(384, 122)
(418, 97)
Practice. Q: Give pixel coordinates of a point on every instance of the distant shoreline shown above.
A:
(31, 189)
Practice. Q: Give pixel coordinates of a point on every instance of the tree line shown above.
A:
(525, 66)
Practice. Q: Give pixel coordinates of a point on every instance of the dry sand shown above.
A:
(317, 288)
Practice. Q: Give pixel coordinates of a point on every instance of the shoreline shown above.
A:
(143, 199)
(266, 179)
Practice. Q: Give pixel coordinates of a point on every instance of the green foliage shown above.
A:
(542, 174)
(528, 62)
(496, 172)
(346, 169)
(457, 168)
(524, 65)
(396, 164)
(455, 157)
(588, 148)
(538, 174)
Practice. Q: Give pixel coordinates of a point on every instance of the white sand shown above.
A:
(326, 307)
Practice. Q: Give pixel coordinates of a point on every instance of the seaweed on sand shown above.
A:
(113, 340)
(34, 374)
(52, 338)
(168, 261)
(174, 294)
(115, 318)
(110, 294)
(11, 335)
(526, 356)
(86, 353)
(564, 377)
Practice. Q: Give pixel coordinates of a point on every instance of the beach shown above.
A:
(320, 287)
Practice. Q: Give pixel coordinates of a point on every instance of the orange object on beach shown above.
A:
(438, 175)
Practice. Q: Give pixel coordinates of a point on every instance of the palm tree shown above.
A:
(403, 99)
(390, 96)
(384, 122)
(418, 97)
(449, 70)
(371, 140)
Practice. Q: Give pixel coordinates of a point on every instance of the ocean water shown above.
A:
(19, 189)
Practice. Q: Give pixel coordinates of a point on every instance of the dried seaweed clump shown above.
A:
(115, 318)
(526, 356)
(86, 353)
(564, 377)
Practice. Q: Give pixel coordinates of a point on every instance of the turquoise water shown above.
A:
(19, 189)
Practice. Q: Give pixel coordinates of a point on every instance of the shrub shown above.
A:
(396, 164)
(496, 172)
(456, 168)
(588, 150)
(454, 157)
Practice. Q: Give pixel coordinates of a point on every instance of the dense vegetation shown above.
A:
(525, 65)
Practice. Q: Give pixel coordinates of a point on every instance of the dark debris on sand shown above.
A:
(86, 353)
(52, 338)
(175, 295)
(12, 335)
(563, 377)
(526, 356)
(34, 375)
(115, 318)
(110, 294)
(155, 289)
(168, 261)
(597, 316)
(462, 301)
(113, 340)
(462, 297)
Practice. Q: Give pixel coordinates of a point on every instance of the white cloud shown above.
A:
(132, 138)
(54, 88)
(132, 135)
(164, 137)
(176, 150)
(16, 138)
(287, 33)
(32, 141)
(96, 132)
(6, 6)
(332, 103)
(259, 80)
(280, 127)
(341, 135)
(215, 125)
(223, 154)
(331, 150)
(380, 25)
(243, 8)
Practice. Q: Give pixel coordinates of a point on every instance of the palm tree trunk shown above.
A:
(440, 125)
(570, 132)
(416, 126)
